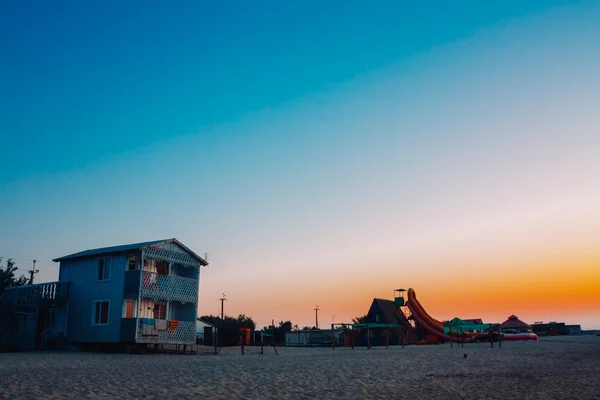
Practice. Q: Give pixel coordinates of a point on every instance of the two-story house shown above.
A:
(143, 293)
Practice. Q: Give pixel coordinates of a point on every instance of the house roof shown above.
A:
(201, 322)
(514, 322)
(387, 308)
(456, 322)
(129, 247)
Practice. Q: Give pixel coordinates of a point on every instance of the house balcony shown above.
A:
(142, 330)
(32, 296)
(151, 285)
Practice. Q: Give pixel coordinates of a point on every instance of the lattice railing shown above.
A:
(158, 253)
(168, 287)
(185, 332)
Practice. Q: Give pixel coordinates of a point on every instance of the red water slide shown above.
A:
(436, 328)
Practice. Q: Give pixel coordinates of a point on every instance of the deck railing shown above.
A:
(149, 332)
(33, 295)
(168, 287)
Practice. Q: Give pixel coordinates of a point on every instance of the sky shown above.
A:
(320, 153)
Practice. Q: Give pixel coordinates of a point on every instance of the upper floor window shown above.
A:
(103, 269)
(131, 263)
(162, 268)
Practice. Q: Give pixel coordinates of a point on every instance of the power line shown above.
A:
(222, 299)
(32, 272)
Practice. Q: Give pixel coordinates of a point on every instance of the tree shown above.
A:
(285, 326)
(246, 322)
(7, 276)
(279, 331)
(360, 320)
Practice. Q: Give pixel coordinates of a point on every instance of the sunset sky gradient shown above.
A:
(320, 154)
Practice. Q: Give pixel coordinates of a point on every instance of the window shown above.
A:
(160, 311)
(131, 263)
(162, 268)
(149, 264)
(103, 269)
(100, 312)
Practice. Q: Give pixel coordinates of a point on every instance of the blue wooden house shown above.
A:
(136, 294)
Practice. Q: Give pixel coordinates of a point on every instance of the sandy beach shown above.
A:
(553, 368)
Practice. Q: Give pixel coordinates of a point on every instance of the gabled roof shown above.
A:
(514, 322)
(200, 321)
(129, 247)
(387, 308)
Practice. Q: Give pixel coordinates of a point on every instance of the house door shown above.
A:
(160, 311)
(129, 309)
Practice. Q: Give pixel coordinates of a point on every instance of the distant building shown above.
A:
(136, 294)
(573, 329)
(593, 332)
(385, 319)
(383, 311)
(514, 325)
(550, 329)
(204, 332)
(476, 321)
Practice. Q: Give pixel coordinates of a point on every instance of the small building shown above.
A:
(385, 323)
(135, 294)
(204, 332)
(573, 329)
(514, 325)
(549, 329)
(475, 321)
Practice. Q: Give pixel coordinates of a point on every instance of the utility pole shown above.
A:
(317, 317)
(222, 299)
(32, 272)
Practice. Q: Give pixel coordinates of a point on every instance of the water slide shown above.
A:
(436, 328)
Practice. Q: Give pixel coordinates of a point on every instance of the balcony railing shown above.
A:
(33, 295)
(168, 287)
(149, 332)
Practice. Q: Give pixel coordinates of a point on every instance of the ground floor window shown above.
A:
(100, 312)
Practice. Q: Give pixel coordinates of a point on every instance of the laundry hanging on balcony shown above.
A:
(146, 279)
(148, 327)
(161, 324)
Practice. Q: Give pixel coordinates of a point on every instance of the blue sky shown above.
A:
(301, 139)
(86, 80)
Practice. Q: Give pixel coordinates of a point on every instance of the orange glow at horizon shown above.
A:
(542, 288)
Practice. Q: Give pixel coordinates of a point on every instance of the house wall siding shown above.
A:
(85, 288)
(183, 312)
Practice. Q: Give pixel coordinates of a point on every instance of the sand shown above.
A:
(553, 368)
